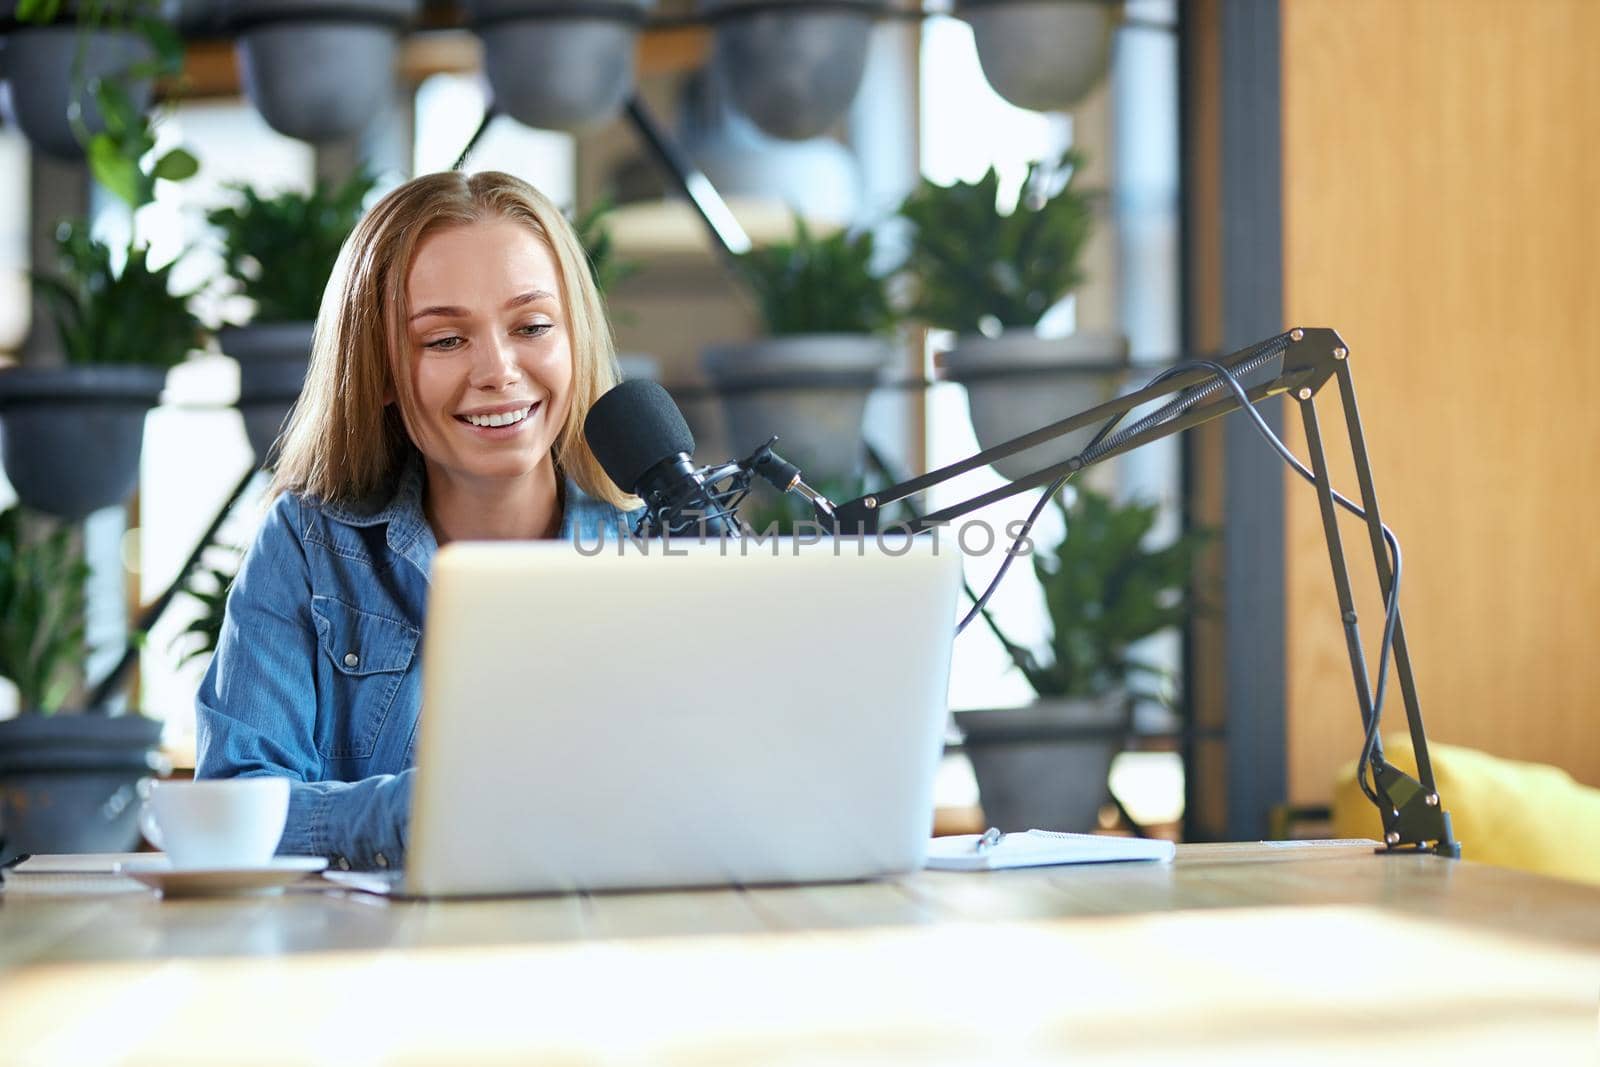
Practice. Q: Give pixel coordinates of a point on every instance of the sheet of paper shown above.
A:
(79, 862)
(1041, 848)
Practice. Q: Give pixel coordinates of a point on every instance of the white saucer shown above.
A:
(271, 877)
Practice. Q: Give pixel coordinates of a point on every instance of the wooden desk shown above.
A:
(1238, 954)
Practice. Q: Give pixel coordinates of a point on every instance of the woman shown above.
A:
(460, 344)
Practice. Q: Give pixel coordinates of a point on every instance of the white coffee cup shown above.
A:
(217, 822)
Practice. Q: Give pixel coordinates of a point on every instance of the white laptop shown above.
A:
(634, 720)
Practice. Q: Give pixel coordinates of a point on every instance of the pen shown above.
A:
(991, 837)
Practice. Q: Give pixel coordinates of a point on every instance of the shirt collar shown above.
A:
(582, 516)
(587, 519)
(402, 512)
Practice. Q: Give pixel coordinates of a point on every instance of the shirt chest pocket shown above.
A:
(364, 662)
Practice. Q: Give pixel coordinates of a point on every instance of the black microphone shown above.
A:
(639, 436)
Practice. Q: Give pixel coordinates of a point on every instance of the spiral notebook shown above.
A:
(1040, 848)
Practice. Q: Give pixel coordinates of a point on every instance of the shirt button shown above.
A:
(344, 864)
(352, 660)
(381, 860)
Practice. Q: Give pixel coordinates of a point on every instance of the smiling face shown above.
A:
(489, 352)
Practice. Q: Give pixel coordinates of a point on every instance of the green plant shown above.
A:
(212, 592)
(281, 249)
(42, 576)
(1104, 590)
(106, 311)
(107, 315)
(118, 154)
(819, 285)
(979, 271)
(595, 236)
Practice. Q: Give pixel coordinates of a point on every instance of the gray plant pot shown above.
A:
(39, 64)
(272, 358)
(1045, 766)
(68, 783)
(1045, 55)
(553, 65)
(315, 74)
(792, 72)
(703, 412)
(71, 436)
(1019, 382)
(638, 365)
(811, 390)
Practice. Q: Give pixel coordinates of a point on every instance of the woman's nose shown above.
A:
(494, 365)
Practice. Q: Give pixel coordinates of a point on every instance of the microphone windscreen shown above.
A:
(632, 428)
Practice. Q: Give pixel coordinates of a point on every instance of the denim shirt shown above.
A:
(317, 672)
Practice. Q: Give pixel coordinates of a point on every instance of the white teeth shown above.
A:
(505, 418)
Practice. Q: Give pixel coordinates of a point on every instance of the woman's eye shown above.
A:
(536, 329)
(445, 344)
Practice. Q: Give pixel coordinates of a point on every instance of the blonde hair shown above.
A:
(343, 443)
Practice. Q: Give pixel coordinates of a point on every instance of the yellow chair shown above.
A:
(1530, 816)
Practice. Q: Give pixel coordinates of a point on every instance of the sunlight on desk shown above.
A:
(1241, 986)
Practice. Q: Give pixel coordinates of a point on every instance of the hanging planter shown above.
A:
(559, 64)
(702, 411)
(68, 783)
(991, 277)
(45, 79)
(71, 436)
(279, 252)
(73, 433)
(809, 389)
(1018, 382)
(318, 70)
(66, 780)
(1045, 55)
(272, 358)
(828, 312)
(793, 67)
(632, 365)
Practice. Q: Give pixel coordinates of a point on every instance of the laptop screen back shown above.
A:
(633, 719)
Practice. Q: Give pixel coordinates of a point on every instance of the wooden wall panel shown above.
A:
(1442, 211)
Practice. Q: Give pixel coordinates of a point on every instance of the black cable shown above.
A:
(1392, 601)
(1012, 552)
(1038, 508)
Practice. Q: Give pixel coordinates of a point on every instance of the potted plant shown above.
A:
(1045, 55)
(66, 781)
(318, 71)
(559, 64)
(72, 434)
(830, 326)
(72, 441)
(1045, 765)
(209, 586)
(608, 271)
(59, 58)
(279, 252)
(794, 67)
(990, 277)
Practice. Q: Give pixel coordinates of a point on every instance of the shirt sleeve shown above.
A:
(256, 711)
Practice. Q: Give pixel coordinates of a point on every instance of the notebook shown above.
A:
(71, 873)
(1040, 848)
